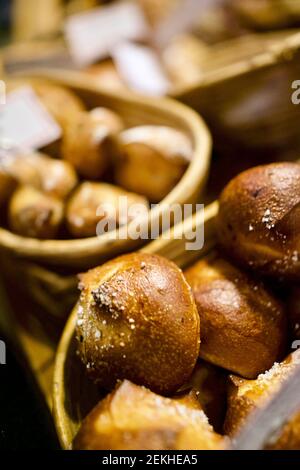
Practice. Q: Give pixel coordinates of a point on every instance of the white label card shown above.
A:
(140, 68)
(25, 122)
(92, 34)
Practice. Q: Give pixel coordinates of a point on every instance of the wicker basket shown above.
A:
(46, 269)
(245, 95)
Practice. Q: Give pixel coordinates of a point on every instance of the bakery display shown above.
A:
(236, 311)
(258, 221)
(98, 161)
(157, 423)
(131, 325)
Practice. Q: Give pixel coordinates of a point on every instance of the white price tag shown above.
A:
(25, 122)
(140, 68)
(92, 34)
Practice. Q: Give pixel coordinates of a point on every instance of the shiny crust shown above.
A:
(247, 395)
(137, 320)
(133, 418)
(235, 313)
(259, 219)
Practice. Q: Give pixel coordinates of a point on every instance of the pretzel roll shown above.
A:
(235, 312)
(259, 219)
(151, 160)
(137, 320)
(93, 202)
(34, 214)
(245, 396)
(134, 418)
(88, 144)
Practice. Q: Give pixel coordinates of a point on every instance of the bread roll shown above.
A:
(134, 418)
(93, 202)
(259, 219)
(51, 176)
(151, 160)
(235, 313)
(137, 320)
(87, 142)
(34, 214)
(247, 395)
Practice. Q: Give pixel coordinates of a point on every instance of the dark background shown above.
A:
(25, 422)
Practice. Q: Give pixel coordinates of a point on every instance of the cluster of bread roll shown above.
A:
(164, 344)
(71, 185)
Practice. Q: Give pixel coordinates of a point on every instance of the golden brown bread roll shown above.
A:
(34, 214)
(51, 176)
(247, 395)
(137, 320)
(151, 160)
(259, 219)
(134, 418)
(235, 313)
(93, 202)
(87, 142)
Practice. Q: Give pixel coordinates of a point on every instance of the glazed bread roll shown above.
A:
(88, 141)
(137, 320)
(92, 202)
(151, 160)
(259, 219)
(247, 395)
(51, 176)
(134, 418)
(34, 214)
(235, 313)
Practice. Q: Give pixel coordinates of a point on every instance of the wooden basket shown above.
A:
(245, 94)
(46, 268)
(74, 395)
